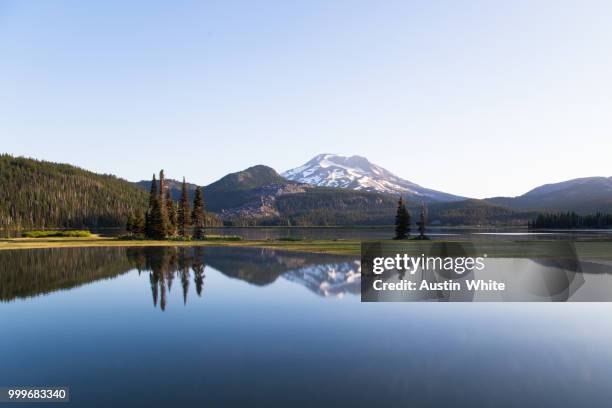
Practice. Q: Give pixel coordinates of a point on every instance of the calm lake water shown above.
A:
(376, 233)
(243, 326)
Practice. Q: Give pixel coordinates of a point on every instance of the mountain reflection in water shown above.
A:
(259, 334)
(30, 273)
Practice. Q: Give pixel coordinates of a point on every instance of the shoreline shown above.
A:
(339, 247)
(514, 249)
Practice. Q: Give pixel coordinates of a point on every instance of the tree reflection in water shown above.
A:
(164, 264)
(29, 273)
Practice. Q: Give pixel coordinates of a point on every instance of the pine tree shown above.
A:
(164, 223)
(197, 215)
(157, 216)
(184, 212)
(149, 215)
(402, 221)
(153, 191)
(172, 215)
(157, 228)
(138, 225)
(422, 221)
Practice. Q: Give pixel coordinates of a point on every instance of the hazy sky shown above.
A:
(478, 98)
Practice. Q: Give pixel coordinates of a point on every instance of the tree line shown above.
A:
(402, 221)
(166, 218)
(571, 220)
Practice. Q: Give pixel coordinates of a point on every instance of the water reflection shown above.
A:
(167, 263)
(247, 342)
(336, 279)
(29, 273)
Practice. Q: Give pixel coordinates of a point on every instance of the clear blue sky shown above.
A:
(473, 98)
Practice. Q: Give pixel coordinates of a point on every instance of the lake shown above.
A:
(379, 233)
(245, 326)
(436, 233)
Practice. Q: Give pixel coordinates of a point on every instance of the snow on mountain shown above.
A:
(336, 279)
(357, 173)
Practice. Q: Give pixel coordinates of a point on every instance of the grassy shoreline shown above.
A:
(341, 247)
(512, 249)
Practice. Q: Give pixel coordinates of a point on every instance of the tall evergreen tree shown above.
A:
(164, 223)
(197, 215)
(157, 217)
(172, 214)
(157, 227)
(148, 216)
(138, 225)
(153, 190)
(402, 221)
(184, 212)
(422, 221)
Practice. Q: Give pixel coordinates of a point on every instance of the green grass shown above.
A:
(230, 238)
(499, 249)
(348, 247)
(62, 234)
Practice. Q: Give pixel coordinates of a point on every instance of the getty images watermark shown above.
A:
(470, 272)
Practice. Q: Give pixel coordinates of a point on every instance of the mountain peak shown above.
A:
(252, 177)
(358, 173)
(594, 183)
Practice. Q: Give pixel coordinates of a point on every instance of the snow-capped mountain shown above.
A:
(335, 279)
(357, 173)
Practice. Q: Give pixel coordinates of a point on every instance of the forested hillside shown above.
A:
(474, 212)
(40, 194)
(244, 187)
(584, 196)
(335, 206)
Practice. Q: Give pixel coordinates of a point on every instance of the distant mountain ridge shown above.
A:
(252, 177)
(259, 195)
(39, 194)
(358, 173)
(583, 195)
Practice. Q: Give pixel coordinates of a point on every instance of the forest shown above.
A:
(571, 220)
(165, 218)
(40, 194)
(46, 195)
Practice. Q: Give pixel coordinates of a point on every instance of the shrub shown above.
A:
(64, 234)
